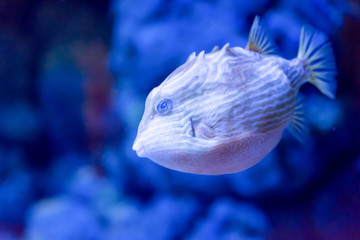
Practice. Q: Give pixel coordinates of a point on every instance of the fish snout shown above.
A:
(139, 148)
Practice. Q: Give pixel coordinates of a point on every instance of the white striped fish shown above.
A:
(223, 111)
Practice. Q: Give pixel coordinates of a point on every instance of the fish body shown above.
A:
(224, 111)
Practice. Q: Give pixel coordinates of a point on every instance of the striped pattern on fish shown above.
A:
(223, 111)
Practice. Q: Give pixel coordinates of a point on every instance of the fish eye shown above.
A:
(164, 106)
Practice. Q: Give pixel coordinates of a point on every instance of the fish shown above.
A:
(222, 112)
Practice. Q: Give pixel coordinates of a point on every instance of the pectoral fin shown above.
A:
(204, 131)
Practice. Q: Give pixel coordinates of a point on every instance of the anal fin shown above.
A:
(298, 125)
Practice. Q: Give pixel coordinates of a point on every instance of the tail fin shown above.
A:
(315, 49)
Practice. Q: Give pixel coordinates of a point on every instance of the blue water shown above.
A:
(73, 81)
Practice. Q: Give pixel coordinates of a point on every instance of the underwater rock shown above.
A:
(79, 22)
(166, 217)
(133, 110)
(52, 181)
(285, 27)
(265, 177)
(16, 194)
(4, 235)
(15, 53)
(172, 30)
(227, 219)
(61, 97)
(115, 166)
(246, 8)
(61, 218)
(326, 15)
(334, 212)
(74, 81)
(121, 221)
(197, 184)
(19, 122)
(92, 189)
(324, 114)
(161, 30)
(286, 19)
(11, 159)
(357, 164)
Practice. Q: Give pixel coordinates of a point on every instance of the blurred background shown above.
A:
(74, 76)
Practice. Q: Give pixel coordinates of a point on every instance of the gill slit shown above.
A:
(192, 128)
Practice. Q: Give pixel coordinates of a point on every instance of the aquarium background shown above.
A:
(74, 76)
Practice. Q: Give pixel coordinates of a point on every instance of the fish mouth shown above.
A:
(138, 148)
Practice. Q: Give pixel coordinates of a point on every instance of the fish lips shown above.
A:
(139, 148)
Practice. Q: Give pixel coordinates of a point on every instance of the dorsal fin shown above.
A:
(259, 40)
